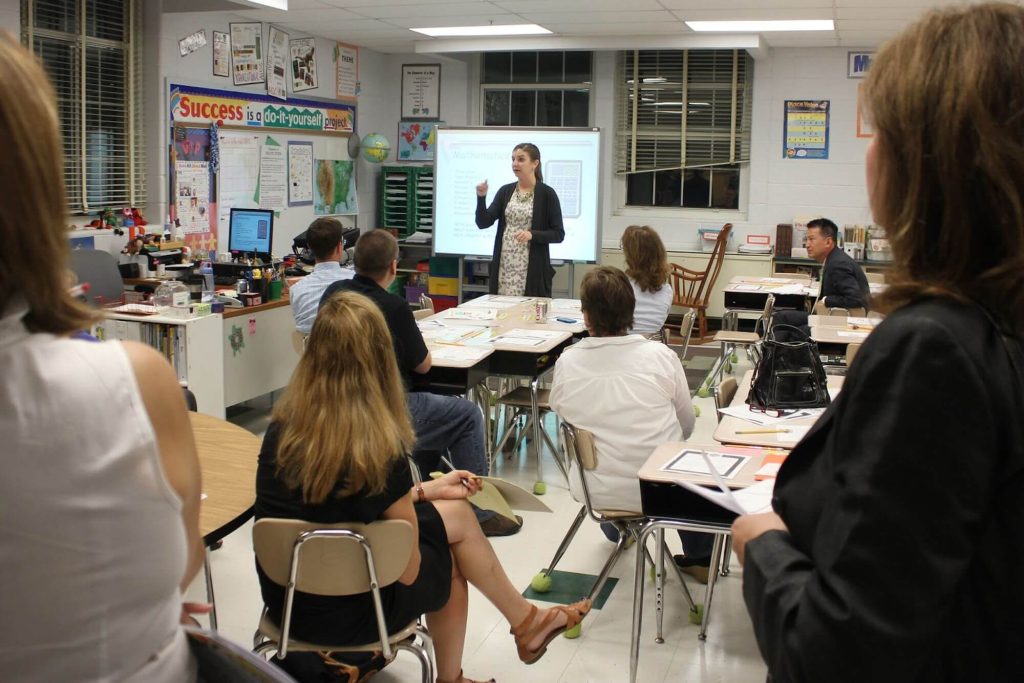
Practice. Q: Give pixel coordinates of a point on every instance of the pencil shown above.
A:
(781, 430)
(446, 461)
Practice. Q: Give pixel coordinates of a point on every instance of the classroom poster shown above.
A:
(273, 175)
(277, 63)
(303, 56)
(805, 129)
(421, 91)
(221, 54)
(192, 145)
(239, 175)
(346, 58)
(300, 173)
(193, 196)
(247, 53)
(334, 191)
(416, 140)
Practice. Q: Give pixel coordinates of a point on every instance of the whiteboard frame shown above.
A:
(526, 130)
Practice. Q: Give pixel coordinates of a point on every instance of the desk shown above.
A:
(228, 460)
(837, 329)
(503, 359)
(669, 506)
(750, 293)
(727, 429)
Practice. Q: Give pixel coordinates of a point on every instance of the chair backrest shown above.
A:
(692, 288)
(326, 559)
(724, 394)
(685, 330)
(426, 303)
(99, 270)
(764, 323)
(851, 351)
(298, 342)
(875, 277)
(421, 313)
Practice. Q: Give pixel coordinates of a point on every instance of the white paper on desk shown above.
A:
(743, 412)
(489, 301)
(795, 433)
(474, 313)
(574, 305)
(746, 288)
(513, 340)
(862, 322)
(692, 461)
(458, 353)
(788, 289)
(851, 335)
(452, 335)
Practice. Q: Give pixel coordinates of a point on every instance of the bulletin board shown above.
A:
(258, 152)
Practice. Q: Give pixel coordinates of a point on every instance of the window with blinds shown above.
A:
(92, 52)
(683, 126)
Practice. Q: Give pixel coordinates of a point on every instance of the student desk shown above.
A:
(730, 428)
(228, 460)
(749, 293)
(840, 330)
(502, 359)
(669, 506)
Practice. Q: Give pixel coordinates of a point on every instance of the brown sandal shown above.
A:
(527, 630)
(462, 679)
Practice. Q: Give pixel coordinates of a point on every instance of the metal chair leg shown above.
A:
(709, 591)
(421, 654)
(726, 556)
(566, 540)
(209, 588)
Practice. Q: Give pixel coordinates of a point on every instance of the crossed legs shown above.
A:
(474, 562)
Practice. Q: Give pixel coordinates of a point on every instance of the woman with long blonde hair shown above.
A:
(335, 452)
(647, 269)
(895, 548)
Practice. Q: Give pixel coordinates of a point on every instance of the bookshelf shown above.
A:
(191, 345)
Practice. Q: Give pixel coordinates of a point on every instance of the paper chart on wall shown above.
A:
(277, 64)
(273, 175)
(300, 173)
(238, 175)
(193, 195)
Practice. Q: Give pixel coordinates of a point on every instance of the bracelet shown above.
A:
(421, 497)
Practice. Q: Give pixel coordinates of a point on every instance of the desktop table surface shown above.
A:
(519, 316)
(651, 469)
(228, 458)
(727, 429)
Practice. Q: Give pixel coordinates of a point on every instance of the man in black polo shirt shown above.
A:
(440, 422)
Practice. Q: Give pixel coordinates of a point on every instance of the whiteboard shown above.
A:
(465, 157)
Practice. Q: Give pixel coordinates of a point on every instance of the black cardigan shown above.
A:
(905, 553)
(546, 228)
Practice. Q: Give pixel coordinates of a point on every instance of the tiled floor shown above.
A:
(600, 655)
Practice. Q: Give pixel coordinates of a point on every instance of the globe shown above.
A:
(375, 148)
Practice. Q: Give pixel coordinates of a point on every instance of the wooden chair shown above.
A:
(582, 456)
(692, 288)
(336, 559)
(724, 394)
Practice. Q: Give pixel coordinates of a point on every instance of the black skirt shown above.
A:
(350, 620)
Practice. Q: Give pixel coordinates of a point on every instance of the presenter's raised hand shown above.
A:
(481, 189)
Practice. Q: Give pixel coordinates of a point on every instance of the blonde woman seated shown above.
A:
(348, 464)
(647, 269)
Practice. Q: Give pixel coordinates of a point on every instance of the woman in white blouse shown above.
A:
(647, 269)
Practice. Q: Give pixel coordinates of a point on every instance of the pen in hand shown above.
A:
(446, 461)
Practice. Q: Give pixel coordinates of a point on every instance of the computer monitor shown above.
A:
(251, 231)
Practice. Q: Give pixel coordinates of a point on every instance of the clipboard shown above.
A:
(503, 497)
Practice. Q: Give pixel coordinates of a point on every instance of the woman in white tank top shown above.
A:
(99, 480)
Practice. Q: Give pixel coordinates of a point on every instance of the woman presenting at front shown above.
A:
(529, 218)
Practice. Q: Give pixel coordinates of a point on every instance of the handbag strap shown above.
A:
(804, 337)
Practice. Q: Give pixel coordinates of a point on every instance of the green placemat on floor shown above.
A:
(568, 587)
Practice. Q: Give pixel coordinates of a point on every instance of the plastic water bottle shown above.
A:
(206, 270)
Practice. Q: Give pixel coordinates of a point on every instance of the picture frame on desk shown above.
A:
(421, 92)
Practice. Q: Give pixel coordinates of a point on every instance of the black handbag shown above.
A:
(789, 374)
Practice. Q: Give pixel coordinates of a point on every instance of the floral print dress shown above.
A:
(515, 255)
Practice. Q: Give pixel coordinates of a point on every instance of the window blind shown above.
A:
(92, 53)
(682, 109)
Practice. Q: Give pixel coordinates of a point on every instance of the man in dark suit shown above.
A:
(843, 283)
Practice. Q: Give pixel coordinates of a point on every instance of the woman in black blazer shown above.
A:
(529, 218)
